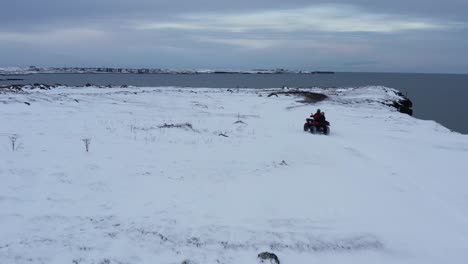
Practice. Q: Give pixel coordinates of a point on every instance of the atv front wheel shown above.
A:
(306, 127)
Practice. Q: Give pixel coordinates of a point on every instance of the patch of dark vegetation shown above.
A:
(318, 245)
(308, 97)
(186, 126)
(181, 125)
(18, 88)
(105, 261)
(77, 261)
(194, 241)
(356, 243)
(200, 105)
(85, 248)
(153, 233)
(349, 244)
(236, 246)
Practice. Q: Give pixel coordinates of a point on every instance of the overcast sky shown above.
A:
(353, 35)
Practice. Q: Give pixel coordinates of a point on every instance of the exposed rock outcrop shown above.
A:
(268, 256)
(403, 105)
(308, 97)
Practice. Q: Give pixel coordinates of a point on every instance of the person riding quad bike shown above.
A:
(321, 121)
(317, 124)
(316, 115)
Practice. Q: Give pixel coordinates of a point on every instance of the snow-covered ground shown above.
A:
(383, 187)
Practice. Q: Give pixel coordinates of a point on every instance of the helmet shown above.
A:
(318, 110)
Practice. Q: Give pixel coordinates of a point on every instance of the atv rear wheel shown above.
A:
(313, 129)
(326, 130)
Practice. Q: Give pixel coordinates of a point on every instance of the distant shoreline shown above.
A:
(105, 70)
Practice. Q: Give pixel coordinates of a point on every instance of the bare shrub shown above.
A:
(13, 142)
(239, 121)
(87, 142)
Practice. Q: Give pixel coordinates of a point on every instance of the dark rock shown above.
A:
(403, 106)
(309, 97)
(406, 103)
(268, 256)
(38, 85)
(188, 261)
(27, 103)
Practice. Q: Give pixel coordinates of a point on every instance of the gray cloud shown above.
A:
(327, 18)
(353, 35)
(30, 12)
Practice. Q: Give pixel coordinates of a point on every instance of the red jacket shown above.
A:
(316, 116)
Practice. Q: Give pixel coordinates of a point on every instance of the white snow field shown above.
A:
(383, 187)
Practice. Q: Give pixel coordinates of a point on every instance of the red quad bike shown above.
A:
(314, 127)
